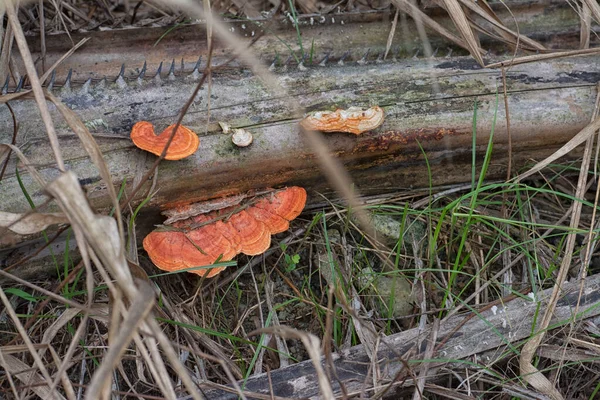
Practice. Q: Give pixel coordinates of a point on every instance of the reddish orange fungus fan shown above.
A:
(184, 143)
(353, 120)
(222, 234)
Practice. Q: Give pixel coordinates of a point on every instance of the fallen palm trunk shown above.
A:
(499, 327)
(428, 105)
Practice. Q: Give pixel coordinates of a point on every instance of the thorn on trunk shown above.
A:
(323, 62)
(122, 72)
(5, 86)
(52, 80)
(197, 66)
(157, 77)
(67, 85)
(287, 61)
(363, 60)
(171, 75)
(344, 56)
(20, 84)
(195, 75)
(120, 81)
(274, 63)
(86, 86)
(301, 66)
(396, 53)
(142, 73)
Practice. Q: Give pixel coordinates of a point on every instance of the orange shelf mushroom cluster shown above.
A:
(353, 120)
(225, 233)
(184, 143)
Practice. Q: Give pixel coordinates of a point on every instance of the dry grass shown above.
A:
(108, 329)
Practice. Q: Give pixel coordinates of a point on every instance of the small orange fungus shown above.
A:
(184, 143)
(222, 234)
(353, 120)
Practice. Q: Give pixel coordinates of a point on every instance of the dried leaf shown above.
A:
(541, 57)
(29, 377)
(416, 14)
(578, 139)
(462, 24)
(488, 14)
(594, 8)
(27, 224)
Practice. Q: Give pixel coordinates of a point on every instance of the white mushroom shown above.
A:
(241, 137)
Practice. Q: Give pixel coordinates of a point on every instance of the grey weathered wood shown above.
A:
(549, 102)
(501, 328)
(553, 22)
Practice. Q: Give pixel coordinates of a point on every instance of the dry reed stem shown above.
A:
(578, 139)
(313, 347)
(101, 234)
(7, 44)
(68, 54)
(590, 239)
(462, 24)
(427, 355)
(8, 373)
(282, 348)
(63, 363)
(62, 17)
(529, 372)
(139, 310)
(35, 83)
(543, 57)
(30, 378)
(586, 25)
(390, 38)
(484, 11)
(593, 6)
(421, 19)
(91, 147)
(36, 358)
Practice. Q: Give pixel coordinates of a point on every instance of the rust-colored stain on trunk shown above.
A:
(387, 139)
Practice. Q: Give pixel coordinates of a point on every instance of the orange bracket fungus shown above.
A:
(353, 120)
(184, 143)
(222, 234)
